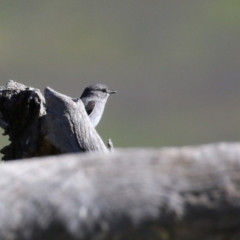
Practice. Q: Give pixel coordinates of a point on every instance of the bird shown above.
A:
(94, 98)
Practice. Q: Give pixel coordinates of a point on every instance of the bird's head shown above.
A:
(99, 90)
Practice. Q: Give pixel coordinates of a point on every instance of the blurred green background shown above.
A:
(175, 64)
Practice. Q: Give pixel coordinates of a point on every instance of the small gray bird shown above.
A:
(94, 98)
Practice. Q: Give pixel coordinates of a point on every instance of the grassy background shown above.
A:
(175, 64)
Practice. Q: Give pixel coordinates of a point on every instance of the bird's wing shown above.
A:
(89, 107)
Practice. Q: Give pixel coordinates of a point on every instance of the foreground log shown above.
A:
(190, 193)
(39, 126)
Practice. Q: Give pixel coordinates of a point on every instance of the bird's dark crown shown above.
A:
(98, 89)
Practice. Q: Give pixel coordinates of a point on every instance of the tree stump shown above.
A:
(39, 126)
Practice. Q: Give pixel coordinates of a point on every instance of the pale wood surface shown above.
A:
(172, 193)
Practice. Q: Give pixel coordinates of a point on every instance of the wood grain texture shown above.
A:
(188, 193)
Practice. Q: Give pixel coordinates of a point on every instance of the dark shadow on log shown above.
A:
(33, 131)
(190, 193)
(21, 108)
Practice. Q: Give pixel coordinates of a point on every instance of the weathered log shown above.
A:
(189, 193)
(39, 128)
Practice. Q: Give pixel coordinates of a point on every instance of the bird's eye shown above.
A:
(104, 90)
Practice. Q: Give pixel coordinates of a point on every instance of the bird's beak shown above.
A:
(111, 92)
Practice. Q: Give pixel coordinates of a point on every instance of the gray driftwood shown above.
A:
(189, 193)
(37, 127)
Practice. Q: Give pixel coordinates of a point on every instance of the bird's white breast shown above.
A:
(97, 112)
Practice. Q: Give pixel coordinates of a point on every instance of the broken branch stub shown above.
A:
(71, 130)
(33, 131)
